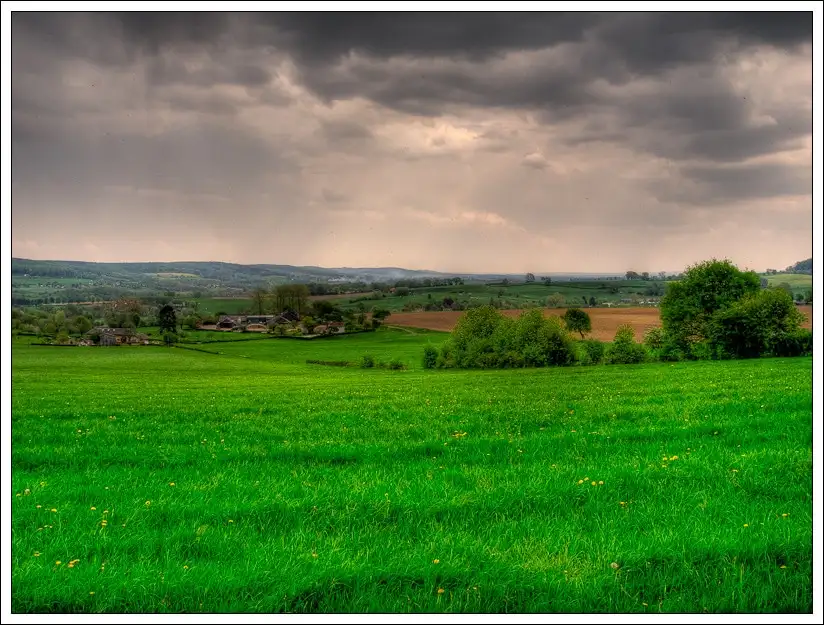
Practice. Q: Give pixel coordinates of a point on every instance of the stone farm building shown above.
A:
(265, 323)
(119, 336)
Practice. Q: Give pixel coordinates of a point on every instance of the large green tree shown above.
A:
(167, 319)
(704, 289)
(577, 320)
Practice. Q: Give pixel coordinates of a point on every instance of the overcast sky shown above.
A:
(458, 142)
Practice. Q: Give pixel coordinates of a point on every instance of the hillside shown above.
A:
(57, 281)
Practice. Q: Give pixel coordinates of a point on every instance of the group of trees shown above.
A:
(719, 311)
(715, 311)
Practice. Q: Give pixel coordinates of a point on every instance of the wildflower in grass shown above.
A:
(783, 566)
(615, 566)
(105, 512)
(72, 563)
(593, 483)
(440, 591)
(54, 509)
(148, 503)
(600, 482)
(580, 482)
(171, 483)
(746, 524)
(27, 492)
(644, 604)
(36, 554)
(586, 479)
(38, 506)
(93, 508)
(785, 515)
(231, 521)
(622, 503)
(18, 495)
(104, 523)
(91, 592)
(436, 561)
(57, 563)
(185, 567)
(673, 458)
(314, 555)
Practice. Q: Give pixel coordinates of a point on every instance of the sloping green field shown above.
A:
(150, 479)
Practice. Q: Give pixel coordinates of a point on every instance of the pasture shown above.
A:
(151, 479)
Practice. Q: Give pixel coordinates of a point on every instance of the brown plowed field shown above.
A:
(605, 321)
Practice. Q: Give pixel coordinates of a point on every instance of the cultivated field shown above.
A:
(150, 479)
(605, 321)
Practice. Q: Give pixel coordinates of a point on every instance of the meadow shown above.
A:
(153, 479)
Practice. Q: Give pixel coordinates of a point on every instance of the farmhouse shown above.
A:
(119, 336)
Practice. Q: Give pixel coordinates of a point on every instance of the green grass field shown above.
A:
(799, 282)
(149, 479)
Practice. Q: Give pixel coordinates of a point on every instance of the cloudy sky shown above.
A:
(459, 142)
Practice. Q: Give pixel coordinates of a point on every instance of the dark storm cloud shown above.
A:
(737, 182)
(483, 114)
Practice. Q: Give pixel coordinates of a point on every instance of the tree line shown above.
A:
(715, 311)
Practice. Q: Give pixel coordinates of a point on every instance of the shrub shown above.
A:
(798, 343)
(396, 365)
(430, 357)
(757, 325)
(367, 361)
(654, 338)
(592, 352)
(624, 350)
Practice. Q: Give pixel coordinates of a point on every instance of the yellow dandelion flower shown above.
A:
(314, 555)
(93, 508)
(54, 509)
(57, 563)
(148, 503)
(593, 483)
(785, 515)
(91, 592)
(746, 524)
(36, 554)
(783, 566)
(580, 482)
(231, 521)
(186, 566)
(38, 506)
(622, 503)
(440, 591)
(600, 482)
(436, 561)
(171, 483)
(644, 604)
